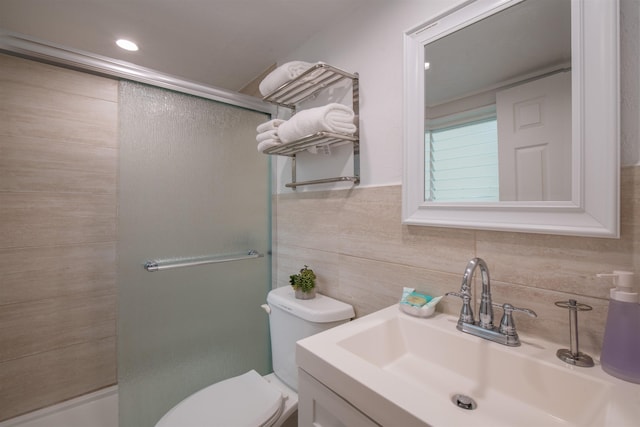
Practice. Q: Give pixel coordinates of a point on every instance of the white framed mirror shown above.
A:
(529, 89)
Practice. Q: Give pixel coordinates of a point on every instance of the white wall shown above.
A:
(370, 41)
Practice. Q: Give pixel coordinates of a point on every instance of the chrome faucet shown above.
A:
(505, 333)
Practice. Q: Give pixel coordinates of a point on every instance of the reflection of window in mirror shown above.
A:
(513, 67)
(461, 160)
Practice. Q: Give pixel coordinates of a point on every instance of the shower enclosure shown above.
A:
(191, 185)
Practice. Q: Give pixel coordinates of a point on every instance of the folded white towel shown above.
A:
(270, 125)
(267, 144)
(334, 117)
(269, 134)
(281, 75)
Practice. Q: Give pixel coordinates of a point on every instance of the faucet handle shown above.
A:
(462, 295)
(466, 312)
(507, 324)
(510, 308)
(527, 311)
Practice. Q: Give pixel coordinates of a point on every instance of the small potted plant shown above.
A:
(304, 283)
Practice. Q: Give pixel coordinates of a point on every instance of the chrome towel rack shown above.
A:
(316, 79)
(167, 264)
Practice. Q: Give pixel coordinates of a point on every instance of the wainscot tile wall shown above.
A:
(362, 254)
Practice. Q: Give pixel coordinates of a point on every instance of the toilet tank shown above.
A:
(292, 319)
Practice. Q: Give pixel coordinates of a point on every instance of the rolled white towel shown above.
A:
(270, 125)
(333, 117)
(281, 75)
(268, 144)
(269, 134)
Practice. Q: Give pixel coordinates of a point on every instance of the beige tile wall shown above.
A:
(58, 170)
(363, 255)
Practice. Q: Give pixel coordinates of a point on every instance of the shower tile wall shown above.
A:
(58, 169)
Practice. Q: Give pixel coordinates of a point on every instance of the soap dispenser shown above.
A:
(621, 346)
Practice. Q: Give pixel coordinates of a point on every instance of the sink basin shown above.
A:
(402, 370)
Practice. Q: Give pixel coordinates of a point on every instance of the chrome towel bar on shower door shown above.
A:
(166, 264)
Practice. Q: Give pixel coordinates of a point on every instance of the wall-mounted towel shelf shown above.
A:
(167, 264)
(307, 84)
(316, 140)
(315, 79)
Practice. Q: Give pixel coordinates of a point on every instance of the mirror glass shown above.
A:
(498, 107)
(512, 118)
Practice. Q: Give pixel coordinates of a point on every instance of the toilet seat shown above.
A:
(246, 400)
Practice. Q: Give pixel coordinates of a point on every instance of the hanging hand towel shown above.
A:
(270, 125)
(281, 75)
(334, 117)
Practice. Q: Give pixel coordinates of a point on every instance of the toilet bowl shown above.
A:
(251, 400)
(246, 400)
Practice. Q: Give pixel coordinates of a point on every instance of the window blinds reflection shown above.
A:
(462, 162)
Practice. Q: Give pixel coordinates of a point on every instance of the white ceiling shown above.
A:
(222, 43)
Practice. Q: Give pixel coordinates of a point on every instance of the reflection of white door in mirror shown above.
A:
(534, 139)
(590, 205)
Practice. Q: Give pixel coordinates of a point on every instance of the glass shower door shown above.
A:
(191, 184)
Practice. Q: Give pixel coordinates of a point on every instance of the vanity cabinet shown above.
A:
(318, 406)
(319, 77)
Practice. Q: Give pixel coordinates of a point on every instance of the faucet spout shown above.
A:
(485, 319)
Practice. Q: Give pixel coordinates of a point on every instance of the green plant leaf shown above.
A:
(305, 280)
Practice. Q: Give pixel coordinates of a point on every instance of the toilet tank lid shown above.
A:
(321, 309)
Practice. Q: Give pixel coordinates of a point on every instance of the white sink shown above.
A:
(402, 370)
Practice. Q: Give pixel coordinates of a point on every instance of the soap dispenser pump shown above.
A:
(621, 346)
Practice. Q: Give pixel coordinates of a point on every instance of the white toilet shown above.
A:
(250, 400)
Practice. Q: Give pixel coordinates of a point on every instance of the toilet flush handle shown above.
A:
(266, 308)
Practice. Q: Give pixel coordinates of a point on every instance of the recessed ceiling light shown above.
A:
(127, 45)
(426, 65)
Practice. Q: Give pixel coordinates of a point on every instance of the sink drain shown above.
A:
(464, 402)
